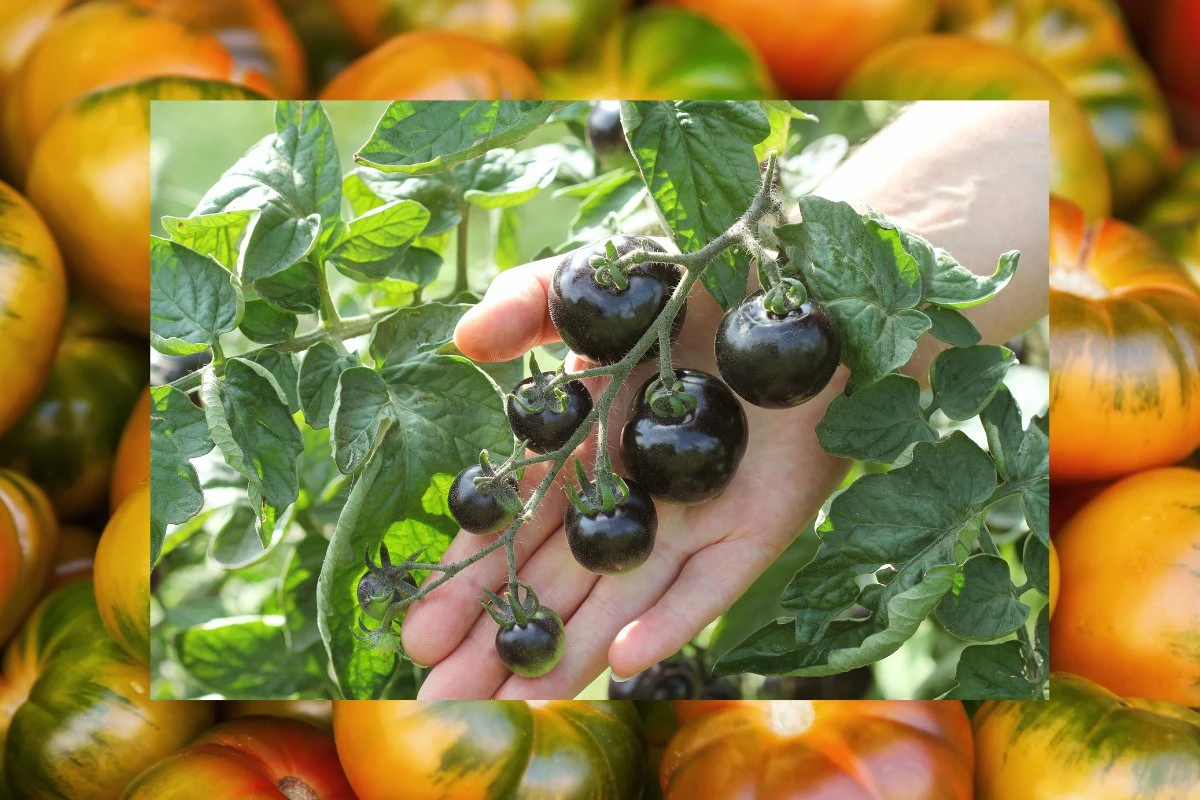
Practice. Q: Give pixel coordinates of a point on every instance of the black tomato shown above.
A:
(377, 591)
(777, 361)
(474, 510)
(540, 420)
(531, 649)
(617, 541)
(601, 322)
(605, 135)
(663, 681)
(692, 458)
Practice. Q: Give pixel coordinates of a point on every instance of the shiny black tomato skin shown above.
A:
(777, 362)
(599, 322)
(617, 541)
(663, 681)
(377, 592)
(474, 511)
(605, 135)
(852, 685)
(548, 429)
(532, 649)
(692, 458)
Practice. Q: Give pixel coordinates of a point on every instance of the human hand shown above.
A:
(704, 558)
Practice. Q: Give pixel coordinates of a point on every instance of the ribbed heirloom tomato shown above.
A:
(962, 68)
(28, 538)
(1129, 602)
(1088, 744)
(76, 718)
(128, 40)
(566, 750)
(67, 440)
(1084, 43)
(544, 32)
(90, 178)
(435, 65)
(254, 758)
(21, 24)
(814, 45)
(819, 750)
(33, 296)
(1124, 351)
(122, 570)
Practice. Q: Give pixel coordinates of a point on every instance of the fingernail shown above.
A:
(617, 678)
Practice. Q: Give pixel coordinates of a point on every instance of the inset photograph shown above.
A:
(639, 400)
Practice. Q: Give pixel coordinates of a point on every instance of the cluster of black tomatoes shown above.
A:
(681, 443)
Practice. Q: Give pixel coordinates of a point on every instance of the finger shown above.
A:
(513, 316)
(709, 583)
(613, 601)
(436, 624)
(474, 670)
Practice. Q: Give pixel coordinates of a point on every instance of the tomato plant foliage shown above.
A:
(336, 410)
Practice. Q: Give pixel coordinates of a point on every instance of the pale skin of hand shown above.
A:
(973, 179)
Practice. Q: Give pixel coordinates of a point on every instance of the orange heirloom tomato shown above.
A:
(90, 177)
(464, 750)
(819, 750)
(1086, 744)
(122, 571)
(73, 557)
(28, 538)
(812, 46)
(21, 23)
(33, 297)
(1124, 351)
(962, 68)
(255, 758)
(132, 463)
(1129, 604)
(435, 65)
(1084, 43)
(546, 32)
(1174, 217)
(318, 712)
(76, 718)
(107, 42)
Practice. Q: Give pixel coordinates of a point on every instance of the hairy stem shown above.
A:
(461, 280)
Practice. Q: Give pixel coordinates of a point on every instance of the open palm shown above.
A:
(705, 556)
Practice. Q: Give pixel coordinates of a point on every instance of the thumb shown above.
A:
(513, 316)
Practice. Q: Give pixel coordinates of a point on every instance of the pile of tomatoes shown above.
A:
(76, 81)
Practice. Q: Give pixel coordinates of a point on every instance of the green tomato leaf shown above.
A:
(699, 163)
(608, 209)
(294, 289)
(250, 422)
(417, 138)
(361, 405)
(216, 653)
(318, 381)
(876, 423)
(298, 593)
(178, 433)
(910, 528)
(1022, 457)
(951, 327)
(265, 324)
(1035, 558)
(375, 244)
(192, 299)
(284, 368)
(410, 332)
(305, 141)
(983, 604)
(503, 178)
(994, 672)
(218, 236)
(965, 379)
(446, 411)
(860, 272)
(235, 543)
(367, 189)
